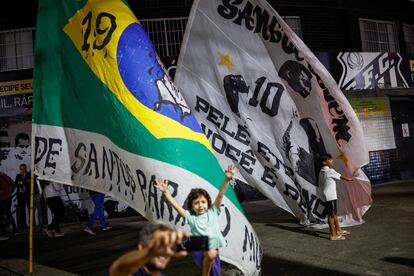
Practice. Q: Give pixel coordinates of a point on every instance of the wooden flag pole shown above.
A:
(31, 222)
(31, 215)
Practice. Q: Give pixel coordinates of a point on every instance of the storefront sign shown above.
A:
(15, 97)
(369, 106)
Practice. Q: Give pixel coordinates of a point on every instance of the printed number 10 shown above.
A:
(273, 110)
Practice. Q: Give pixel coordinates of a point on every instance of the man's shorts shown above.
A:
(331, 208)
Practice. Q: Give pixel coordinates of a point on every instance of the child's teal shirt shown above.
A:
(206, 224)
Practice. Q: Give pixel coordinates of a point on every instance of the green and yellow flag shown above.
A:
(106, 117)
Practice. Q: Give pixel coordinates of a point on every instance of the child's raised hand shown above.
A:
(161, 184)
(231, 170)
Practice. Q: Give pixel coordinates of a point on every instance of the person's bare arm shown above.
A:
(164, 245)
(162, 185)
(346, 178)
(129, 263)
(231, 170)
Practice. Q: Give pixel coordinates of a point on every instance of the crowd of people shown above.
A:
(47, 195)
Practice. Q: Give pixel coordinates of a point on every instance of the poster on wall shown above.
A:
(405, 130)
(15, 146)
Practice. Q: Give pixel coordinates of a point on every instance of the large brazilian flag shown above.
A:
(106, 117)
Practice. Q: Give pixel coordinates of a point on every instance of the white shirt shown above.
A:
(327, 182)
(52, 190)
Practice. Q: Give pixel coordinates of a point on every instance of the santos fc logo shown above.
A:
(370, 70)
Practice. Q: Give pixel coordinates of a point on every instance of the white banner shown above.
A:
(267, 103)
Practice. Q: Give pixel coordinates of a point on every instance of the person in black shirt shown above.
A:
(22, 183)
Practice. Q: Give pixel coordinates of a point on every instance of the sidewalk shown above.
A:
(20, 267)
(383, 245)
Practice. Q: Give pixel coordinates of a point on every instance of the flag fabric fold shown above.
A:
(265, 102)
(106, 117)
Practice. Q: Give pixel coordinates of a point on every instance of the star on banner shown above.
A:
(343, 157)
(225, 60)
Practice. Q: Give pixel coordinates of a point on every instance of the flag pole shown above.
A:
(31, 224)
(31, 218)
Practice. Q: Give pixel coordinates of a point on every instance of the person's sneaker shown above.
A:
(337, 238)
(17, 233)
(89, 230)
(3, 238)
(106, 228)
(59, 234)
(49, 233)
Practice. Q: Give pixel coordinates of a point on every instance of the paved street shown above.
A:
(384, 245)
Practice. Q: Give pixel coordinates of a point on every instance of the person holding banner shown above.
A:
(203, 218)
(327, 177)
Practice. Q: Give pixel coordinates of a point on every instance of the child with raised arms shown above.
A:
(202, 216)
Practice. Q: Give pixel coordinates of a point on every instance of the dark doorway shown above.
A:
(402, 110)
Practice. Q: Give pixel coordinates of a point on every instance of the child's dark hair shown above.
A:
(325, 157)
(194, 194)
